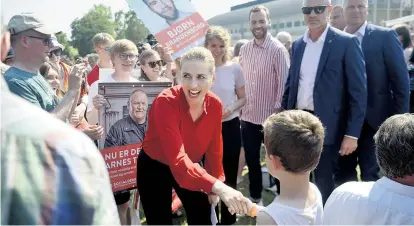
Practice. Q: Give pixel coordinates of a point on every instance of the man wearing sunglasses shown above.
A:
(327, 78)
(31, 42)
(388, 87)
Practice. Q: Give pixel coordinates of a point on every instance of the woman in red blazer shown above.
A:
(183, 148)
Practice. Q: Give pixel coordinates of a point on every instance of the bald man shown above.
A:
(327, 79)
(337, 18)
(388, 87)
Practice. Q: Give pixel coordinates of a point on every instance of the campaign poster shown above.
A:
(121, 163)
(117, 108)
(174, 23)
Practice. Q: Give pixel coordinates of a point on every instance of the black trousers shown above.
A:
(231, 152)
(155, 183)
(252, 136)
(324, 172)
(364, 156)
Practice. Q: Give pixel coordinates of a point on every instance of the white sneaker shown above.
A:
(272, 189)
(239, 179)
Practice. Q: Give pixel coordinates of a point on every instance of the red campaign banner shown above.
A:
(121, 162)
(183, 35)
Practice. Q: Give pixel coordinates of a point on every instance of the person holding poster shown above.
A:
(183, 148)
(129, 130)
(229, 87)
(166, 9)
(124, 56)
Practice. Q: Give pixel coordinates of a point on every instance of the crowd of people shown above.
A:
(321, 106)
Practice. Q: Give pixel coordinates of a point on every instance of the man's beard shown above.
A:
(174, 17)
(264, 33)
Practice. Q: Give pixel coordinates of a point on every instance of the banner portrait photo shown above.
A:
(174, 23)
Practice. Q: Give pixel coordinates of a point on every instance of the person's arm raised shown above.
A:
(66, 106)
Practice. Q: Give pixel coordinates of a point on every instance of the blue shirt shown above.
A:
(31, 87)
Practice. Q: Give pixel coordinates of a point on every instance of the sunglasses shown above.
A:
(46, 41)
(56, 52)
(124, 56)
(153, 64)
(316, 9)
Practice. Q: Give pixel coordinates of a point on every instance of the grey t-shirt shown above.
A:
(229, 77)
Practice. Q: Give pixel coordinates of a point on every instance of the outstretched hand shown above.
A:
(234, 200)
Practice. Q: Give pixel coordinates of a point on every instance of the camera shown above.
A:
(152, 40)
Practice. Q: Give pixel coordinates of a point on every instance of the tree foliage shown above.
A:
(97, 20)
(128, 26)
(69, 51)
(122, 25)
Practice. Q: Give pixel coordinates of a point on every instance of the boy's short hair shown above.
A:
(296, 137)
(122, 46)
(102, 39)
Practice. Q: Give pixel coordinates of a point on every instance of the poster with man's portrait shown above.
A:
(174, 23)
(125, 120)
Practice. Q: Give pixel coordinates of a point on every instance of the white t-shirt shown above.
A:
(229, 77)
(384, 202)
(286, 215)
(93, 116)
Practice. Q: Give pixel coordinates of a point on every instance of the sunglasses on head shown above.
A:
(317, 9)
(57, 52)
(153, 64)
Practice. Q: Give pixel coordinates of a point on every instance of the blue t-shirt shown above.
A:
(31, 87)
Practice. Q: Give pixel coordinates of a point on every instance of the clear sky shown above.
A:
(59, 14)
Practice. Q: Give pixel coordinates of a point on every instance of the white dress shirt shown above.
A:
(360, 33)
(308, 70)
(384, 202)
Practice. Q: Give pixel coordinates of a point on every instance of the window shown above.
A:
(282, 25)
(289, 24)
(297, 23)
(395, 4)
(303, 23)
(274, 26)
(382, 4)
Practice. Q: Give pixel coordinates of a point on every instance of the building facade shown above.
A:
(286, 15)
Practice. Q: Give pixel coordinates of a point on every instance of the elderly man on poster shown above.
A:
(129, 130)
(167, 10)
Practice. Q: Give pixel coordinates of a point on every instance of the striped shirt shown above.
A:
(51, 174)
(265, 68)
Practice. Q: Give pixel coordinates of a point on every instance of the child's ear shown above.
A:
(277, 164)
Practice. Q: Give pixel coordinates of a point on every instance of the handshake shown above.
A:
(234, 200)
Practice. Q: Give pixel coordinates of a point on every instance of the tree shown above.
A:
(97, 20)
(128, 26)
(69, 51)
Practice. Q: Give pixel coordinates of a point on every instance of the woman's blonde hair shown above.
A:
(221, 34)
(122, 46)
(201, 54)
